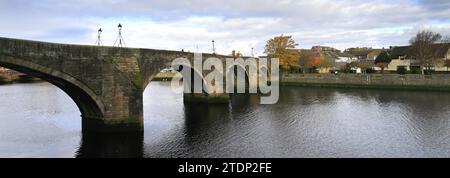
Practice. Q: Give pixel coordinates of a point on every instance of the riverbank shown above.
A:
(10, 79)
(436, 82)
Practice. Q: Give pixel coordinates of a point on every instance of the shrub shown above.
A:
(428, 72)
(416, 71)
(370, 71)
(401, 70)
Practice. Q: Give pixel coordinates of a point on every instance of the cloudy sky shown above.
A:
(233, 24)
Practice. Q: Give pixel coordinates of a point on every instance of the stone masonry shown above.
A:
(106, 83)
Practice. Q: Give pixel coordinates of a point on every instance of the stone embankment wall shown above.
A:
(393, 81)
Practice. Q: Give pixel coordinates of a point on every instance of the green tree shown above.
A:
(383, 58)
(382, 61)
(282, 47)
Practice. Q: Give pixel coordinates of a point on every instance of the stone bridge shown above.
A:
(106, 83)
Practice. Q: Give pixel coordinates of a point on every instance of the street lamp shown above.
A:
(214, 48)
(99, 40)
(119, 38)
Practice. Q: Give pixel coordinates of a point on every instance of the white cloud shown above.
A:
(233, 24)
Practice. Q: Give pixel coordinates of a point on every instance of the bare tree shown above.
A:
(446, 39)
(447, 64)
(422, 48)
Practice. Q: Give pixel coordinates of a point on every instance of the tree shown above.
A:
(236, 54)
(383, 58)
(281, 47)
(422, 48)
(304, 60)
(314, 61)
(382, 61)
(326, 62)
(382, 65)
(446, 39)
(447, 63)
(363, 64)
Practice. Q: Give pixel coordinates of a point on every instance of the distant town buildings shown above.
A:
(4, 71)
(8, 75)
(364, 53)
(324, 48)
(363, 59)
(401, 57)
(325, 59)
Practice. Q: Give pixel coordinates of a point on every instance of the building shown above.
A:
(401, 57)
(373, 54)
(3, 69)
(325, 48)
(365, 53)
(342, 57)
(6, 71)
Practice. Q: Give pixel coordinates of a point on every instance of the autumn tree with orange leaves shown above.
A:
(282, 47)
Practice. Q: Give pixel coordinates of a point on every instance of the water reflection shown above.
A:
(199, 117)
(107, 145)
(40, 121)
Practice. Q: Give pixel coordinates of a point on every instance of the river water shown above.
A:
(40, 120)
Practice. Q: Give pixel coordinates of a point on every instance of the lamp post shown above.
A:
(214, 48)
(99, 40)
(119, 38)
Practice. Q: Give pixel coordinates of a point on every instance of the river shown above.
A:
(40, 120)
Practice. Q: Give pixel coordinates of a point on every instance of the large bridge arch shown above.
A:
(152, 62)
(88, 103)
(232, 72)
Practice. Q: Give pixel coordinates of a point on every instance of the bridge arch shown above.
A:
(87, 101)
(233, 72)
(195, 75)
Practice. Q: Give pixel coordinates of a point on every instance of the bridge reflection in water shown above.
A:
(111, 145)
(198, 118)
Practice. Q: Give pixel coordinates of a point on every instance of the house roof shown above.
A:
(365, 52)
(399, 51)
(344, 54)
(337, 55)
(375, 52)
(440, 50)
(361, 52)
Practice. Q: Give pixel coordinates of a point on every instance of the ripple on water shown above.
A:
(39, 120)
